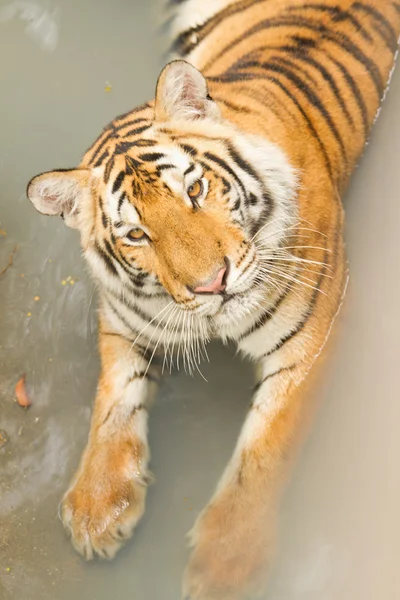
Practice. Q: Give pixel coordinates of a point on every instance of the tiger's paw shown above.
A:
(103, 506)
(230, 557)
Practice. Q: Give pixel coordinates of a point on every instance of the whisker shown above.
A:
(293, 279)
(156, 329)
(156, 346)
(306, 264)
(149, 323)
(305, 267)
(166, 343)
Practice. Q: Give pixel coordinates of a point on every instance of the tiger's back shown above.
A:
(302, 72)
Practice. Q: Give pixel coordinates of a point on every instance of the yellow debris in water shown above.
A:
(22, 275)
(63, 282)
(28, 314)
(3, 232)
(36, 298)
(108, 88)
(71, 282)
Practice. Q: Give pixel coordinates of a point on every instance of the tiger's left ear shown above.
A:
(182, 93)
(60, 193)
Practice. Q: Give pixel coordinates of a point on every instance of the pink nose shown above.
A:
(215, 287)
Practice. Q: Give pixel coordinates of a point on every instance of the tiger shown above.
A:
(215, 211)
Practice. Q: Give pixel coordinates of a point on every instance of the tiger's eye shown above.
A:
(195, 190)
(136, 234)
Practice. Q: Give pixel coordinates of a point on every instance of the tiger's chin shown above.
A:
(236, 312)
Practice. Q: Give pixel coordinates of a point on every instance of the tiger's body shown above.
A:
(215, 211)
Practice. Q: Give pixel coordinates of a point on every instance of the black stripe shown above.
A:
(130, 123)
(384, 29)
(164, 167)
(305, 57)
(151, 156)
(355, 90)
(135, 278)
(396, 6)
(301, 324)
(137, 130)
(337, 14)
(143, 375)
(266, 315)
(190, 169)
(131, 165)
(106, 259)
(338, 38)
(124, 264)
(144, 316)
(143, 142)
(112, 129)
(110, 251)
(277, 82)
(130, 113)
(186, 42)
(145, 353)
(311, 96)
(121, 317)
(104, 217)
(227, 186)
(189, 149)
(120, 202)
(304, 42)
(141, 293)
(100, 160)
(281, 370)
(118, 182)
(108, 168)
(242, 163)
(224, 165)
(100, 147)
(123, 147)
(264, 98)
(114, 334)
(293, 65)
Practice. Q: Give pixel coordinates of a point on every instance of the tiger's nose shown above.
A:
(217, 286)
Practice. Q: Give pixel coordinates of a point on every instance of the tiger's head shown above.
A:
(172, 198)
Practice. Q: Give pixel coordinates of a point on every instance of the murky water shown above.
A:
(66, 68)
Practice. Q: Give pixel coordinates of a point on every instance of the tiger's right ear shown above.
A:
(182, 93)
(59, 193)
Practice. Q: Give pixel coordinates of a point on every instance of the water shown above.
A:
(340, 519)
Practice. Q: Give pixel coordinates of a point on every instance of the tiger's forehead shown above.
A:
(137, 172)
(132, 133)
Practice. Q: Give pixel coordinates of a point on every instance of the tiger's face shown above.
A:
(172, 200)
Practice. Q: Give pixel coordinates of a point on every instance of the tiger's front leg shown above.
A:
(107, 495)
(233, 538)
